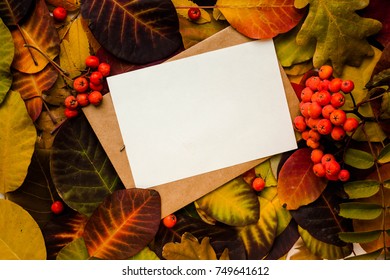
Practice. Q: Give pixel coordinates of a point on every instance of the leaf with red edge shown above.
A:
(12, 11)
(38, 31)
(125, 222)
(297, 183)
(62, 230)
(31, 86)
(136, 31)
(260, 19)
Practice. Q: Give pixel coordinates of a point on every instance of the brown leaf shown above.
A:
(38, 31)
(12, 11)
(123, 224)
(31, 86)
(297, 183)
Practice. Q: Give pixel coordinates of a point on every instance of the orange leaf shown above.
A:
(297, 183)
(38, 31)
(260, 19)
(123, 224)
(31, 86)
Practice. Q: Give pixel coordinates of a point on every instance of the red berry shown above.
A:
(312, 143)
(316, 155)
(299, 123)
(312, 123)
(351, 124)
(258, 184)
(332, 168)
(104, 68)
(99, 87)
(338, 117)
(305, 135)
(57, 207)
(319, 170)
(313, 82)
(306, 94)
(314, 135)
(80, 84)
(344, 175)
(337, 99)
(71, 102)
(92, 61)
(194, 13)
(323, 97)
(304, 107)
(96, 78)
(335, 85)
(327, 158)
(314, 110)
(71, 113)
(323, 85)
(60, 14)
(338, 133)
(327, 110)
(82, 99)
(347, 86)
(332, 177)
(325, 72)
(95, 97)
(324, 126)
(170, 221)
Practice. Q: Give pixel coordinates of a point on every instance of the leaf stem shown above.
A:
(52, 117)
(25, 43)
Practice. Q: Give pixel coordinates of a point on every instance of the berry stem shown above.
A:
(25, 41)
(52, 117)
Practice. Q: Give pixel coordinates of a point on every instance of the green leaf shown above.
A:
(360, 237)
(75, 250)
(361, 189)
(17, 142)
(369, 256)
(234, 203)
(264, 171)
(372, 132)
(81, 171)
(339, 31)
(20, 236)
(125, 222)
(358, 159)
(322, 249)
(289, 52)
(384, 155)
(360, 210)
(145, 254)
(259, 237)
(283, 215)
(6, 57)
(138, 31)
(296, 180)
(189, 249)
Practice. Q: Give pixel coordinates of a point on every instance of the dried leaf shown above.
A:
(340, 32)
(260, 19)
(125, 222)
(38, 31)
(69, 5)
(296, 181)
(189, 249)
(13, 11)
(75, 250)
(17, 142)
(138, 31)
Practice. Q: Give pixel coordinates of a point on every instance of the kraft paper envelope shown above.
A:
(179, 193)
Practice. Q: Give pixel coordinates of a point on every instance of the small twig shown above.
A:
(52, 117)
(25, 41)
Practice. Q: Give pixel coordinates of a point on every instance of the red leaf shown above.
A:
(123, 224)
(297, 184)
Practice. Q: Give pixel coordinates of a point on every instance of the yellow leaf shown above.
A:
(17, 142)
(182, 7)
(20, 236)
(75, 49)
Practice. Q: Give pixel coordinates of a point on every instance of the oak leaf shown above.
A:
(339, 31)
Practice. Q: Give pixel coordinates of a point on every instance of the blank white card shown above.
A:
(202, 113)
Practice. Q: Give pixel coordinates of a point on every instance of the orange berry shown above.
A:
(325, 72)
(316, 155)
(170, 221)
(258, 184)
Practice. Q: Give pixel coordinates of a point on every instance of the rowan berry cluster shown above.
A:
(322, 117)
(88, 87)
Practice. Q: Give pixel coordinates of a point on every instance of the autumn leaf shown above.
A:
(38, 31)
(17, 142)
(260, 19)
(69, 5)
(139, 32)
(297, 183)
(6, 57)
(123, 224)
(191, 249)
(183, 12)
(12, 11)
(20, 236)
(75, 250)
(31, 87)
(340, 33)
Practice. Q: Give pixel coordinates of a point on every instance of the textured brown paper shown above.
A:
(178, 194)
